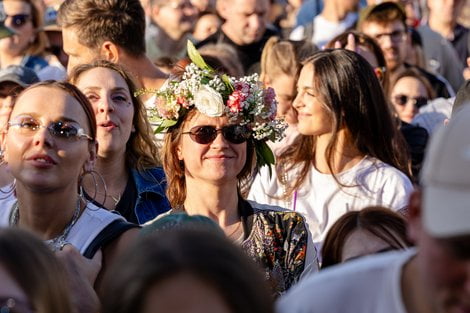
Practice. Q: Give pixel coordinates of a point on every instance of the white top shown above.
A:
(322, 201)
(324, 30)
(368, 284)
(90, 223)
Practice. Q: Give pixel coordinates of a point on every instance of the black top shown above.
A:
(461, 43)
(126, 205)
(249, 55)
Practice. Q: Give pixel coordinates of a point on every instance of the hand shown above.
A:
(350, 45)
(466, 71)
(81, 273)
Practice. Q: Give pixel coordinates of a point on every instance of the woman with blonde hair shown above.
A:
(132, 183)
(280, 67)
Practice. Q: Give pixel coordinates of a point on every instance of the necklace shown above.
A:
(115, 199)
(60, 240)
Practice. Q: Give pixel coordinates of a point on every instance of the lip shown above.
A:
(219, 157)
(41, 160)
(108, 125)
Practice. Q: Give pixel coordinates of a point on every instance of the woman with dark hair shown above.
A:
(32, 280)
(132, 182)
(216, 129)
(192, 270)
(346, 157)
(49, 146)
(27, 46)
(359, 233)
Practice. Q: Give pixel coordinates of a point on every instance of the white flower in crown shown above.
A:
(209, 102)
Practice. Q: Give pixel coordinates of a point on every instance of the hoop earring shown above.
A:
(81, 190)
(7, 192)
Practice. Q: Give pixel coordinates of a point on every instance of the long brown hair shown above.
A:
(141, 150)
(347, 86)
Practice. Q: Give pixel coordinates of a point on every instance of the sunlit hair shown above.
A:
(378, 221)
(201, 253)
(174, 168)
(370, 44)
(36, 270)
(284, 57)
(73, 92)
(414, 73)
(141, 149)
(37, 46)
(346, 86)
(95, 21)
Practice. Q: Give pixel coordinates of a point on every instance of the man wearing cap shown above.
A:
(434, 277)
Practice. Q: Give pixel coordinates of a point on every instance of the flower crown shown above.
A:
(244, 101)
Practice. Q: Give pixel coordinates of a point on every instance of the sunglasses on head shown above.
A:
(18, 20)
(235, 134)
(28, 126)
(403, 100)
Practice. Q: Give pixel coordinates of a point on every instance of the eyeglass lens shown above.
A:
(59, 129)
(418, 101)
(235, 134)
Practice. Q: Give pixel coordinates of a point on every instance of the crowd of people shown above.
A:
(234, 156)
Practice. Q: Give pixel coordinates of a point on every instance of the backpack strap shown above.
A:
(108, 234)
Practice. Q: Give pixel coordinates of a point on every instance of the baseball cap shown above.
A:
(21, 75)
(5, 31)
(374, 9)
(445, 178)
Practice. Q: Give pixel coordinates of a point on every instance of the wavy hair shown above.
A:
(348, 88)
(141, 149)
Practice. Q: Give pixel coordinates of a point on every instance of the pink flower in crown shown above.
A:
(243, 87)
(166, 110)
(182, 101)
(235, 101)
(270, 103)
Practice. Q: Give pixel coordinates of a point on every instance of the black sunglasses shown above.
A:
(403, 99)
(204, 135)
(18, 20)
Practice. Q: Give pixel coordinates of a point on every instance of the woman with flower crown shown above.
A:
(347, 156)
(216, 128)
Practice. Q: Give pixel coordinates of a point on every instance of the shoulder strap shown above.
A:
(108, 234)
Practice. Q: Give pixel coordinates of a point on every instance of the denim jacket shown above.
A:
(151, 200)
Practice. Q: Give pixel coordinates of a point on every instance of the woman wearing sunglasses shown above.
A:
(347, 156)
(132, 182)
(27, 46)
(216, 129)
(49, 146)
(410, 91)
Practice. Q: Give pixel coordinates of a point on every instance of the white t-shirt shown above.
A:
(324, 30)
(90, 223)
(322, 201)
(368, 284)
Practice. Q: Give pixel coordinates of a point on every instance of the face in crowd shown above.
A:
(245, 20)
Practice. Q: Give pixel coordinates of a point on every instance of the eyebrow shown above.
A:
(96, 88)
(35, 116)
